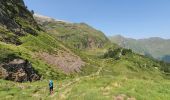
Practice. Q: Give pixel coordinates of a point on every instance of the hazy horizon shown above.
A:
(137, 38)
(132, 19)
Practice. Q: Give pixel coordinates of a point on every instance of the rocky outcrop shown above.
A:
(18, 70)
(17, 19)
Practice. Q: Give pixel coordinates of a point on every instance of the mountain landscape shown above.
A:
(75, 35)
(154, 47)
(82, 62)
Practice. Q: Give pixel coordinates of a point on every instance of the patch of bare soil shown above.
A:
(64, 60)
(123, 97)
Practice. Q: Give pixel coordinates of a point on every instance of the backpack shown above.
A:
(51, 84)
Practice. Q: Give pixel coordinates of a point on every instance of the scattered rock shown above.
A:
(123, 97)
(64, 60)
(120, 97)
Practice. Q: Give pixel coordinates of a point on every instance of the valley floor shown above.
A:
(92, 87)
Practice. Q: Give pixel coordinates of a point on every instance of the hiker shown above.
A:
(51, 86)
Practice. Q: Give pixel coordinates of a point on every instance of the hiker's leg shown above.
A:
(52, 90)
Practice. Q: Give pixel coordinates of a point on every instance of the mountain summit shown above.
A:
(43, 19)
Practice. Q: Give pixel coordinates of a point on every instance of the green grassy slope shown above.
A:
(25, 51)
(75, 35)
(21, 37)
(17, 21)
(112, 79)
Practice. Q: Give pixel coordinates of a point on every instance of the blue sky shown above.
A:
(130, 18)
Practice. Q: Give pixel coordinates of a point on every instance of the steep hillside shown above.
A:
(155, 47)
(15, 21)
(76, 35)
(22, 40)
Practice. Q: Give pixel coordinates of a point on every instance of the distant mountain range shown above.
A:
(156, 47)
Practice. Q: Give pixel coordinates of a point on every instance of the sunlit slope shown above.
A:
(75, 35)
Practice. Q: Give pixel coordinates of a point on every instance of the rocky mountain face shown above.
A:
(76, 35)
(18, 70)
(15, 20)
(155, 47)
